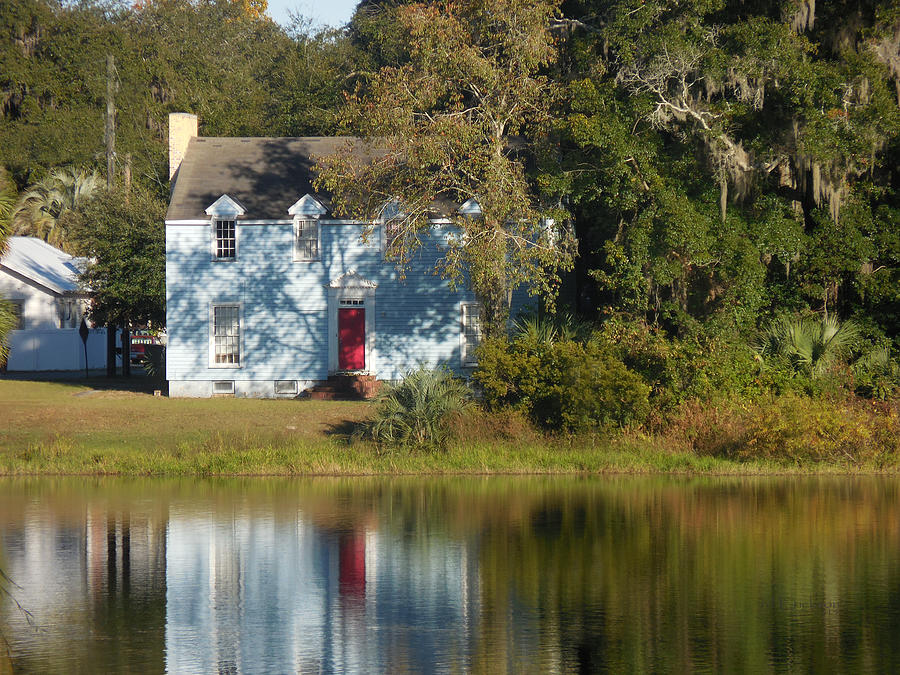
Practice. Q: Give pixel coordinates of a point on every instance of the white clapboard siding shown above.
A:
(284, 303)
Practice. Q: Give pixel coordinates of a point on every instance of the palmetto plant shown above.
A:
(417, 411)
(7, 202)
(535, 331)
(41, 208)
(812, 347)
(7, 323)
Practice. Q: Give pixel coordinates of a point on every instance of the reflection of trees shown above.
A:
(650, 575)
(91, 566)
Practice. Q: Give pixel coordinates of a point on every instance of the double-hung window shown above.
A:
(471, 333)
(226, 336)
(225, 244)
(306, 239)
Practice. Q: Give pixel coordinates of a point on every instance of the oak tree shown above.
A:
(462, 118)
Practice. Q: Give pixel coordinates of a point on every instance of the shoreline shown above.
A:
(53, 429)
(330, 461)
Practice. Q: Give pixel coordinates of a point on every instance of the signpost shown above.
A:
(83, 332)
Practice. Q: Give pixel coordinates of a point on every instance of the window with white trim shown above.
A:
(471, 333)
(393, 230)
(225, 242)
(226, 336)
(306, 239)
(68, 313)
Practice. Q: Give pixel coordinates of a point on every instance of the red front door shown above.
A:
(351, 339)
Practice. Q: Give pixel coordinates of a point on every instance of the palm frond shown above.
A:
(417, 410)
(811, 346)
(39, 211)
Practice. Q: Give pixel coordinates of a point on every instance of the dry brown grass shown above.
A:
(791, 430)
(37, 412)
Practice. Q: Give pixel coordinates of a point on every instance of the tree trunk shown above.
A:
(126, 350)
(110, 350)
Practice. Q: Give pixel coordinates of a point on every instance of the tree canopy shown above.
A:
(728, 160)
(123, 238)
(720, 163)
(459, 120)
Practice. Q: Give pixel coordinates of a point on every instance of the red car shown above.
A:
(139, 341)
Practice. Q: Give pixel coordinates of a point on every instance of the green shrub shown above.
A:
(678, 370)
(560, 383)
(808, 346)
(877, 375)
(419, 410)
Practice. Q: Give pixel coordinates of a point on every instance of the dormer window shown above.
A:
(391, 217)
(224, 213)
(306, 239)
(306, 212)
(470, 208)
(226, 239)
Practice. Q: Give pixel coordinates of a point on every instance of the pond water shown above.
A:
(599, 574)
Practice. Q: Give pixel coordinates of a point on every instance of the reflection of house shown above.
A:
(41, 282)
(247, 592)
(268, 291)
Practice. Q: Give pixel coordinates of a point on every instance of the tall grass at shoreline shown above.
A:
(74, 429)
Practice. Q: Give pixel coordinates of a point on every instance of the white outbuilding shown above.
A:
(41, 281)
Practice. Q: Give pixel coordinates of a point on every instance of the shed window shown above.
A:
(227, 335)
(68, 313)
(306, 239)
(471, 333)
(226, 239)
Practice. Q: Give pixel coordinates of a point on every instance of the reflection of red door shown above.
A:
(352, 571)
(351, 339)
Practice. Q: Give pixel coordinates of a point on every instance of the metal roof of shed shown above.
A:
(42, 263)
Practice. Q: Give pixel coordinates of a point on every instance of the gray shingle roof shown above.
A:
(266, 175)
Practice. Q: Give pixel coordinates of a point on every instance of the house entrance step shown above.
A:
(345, 387)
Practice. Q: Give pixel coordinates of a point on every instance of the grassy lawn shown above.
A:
(103, 419)
(103, 427)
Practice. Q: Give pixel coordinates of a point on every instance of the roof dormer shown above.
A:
(470, 207)
(307, 205)
(391, 211)
(225, 207)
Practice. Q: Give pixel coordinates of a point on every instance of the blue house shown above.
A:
(269, 294)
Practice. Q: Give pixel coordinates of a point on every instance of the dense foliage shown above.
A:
(560, 381)
(732, 160)
(123, 237)
(726, 168)
(243, 76)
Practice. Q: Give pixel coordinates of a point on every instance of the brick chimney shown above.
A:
(182, 128)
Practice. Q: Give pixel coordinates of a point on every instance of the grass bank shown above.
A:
(93, 428)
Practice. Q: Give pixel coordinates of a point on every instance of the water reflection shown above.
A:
(483, 575)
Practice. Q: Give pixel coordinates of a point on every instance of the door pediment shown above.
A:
(351, 279)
